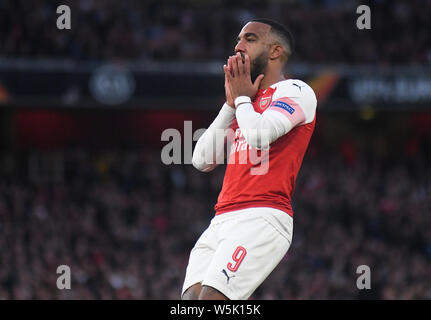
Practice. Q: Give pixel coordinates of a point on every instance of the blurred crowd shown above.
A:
(125, 223)
(324, 30)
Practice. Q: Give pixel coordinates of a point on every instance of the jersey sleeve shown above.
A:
(210, 149)
(294, 103)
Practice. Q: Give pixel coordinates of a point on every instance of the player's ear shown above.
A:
(276, 51)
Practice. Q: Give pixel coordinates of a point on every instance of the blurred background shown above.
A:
(81, 116)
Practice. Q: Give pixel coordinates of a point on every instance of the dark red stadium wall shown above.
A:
(51, 129)
(26, 129)
(6, 128)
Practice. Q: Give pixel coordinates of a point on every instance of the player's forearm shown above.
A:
(210, 148)
(260, 130)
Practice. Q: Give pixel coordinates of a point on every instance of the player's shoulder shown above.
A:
(300, 93)
(293, 88)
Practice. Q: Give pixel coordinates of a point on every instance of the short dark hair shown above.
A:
(280, 29)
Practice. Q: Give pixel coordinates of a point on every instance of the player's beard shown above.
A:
(258, 66)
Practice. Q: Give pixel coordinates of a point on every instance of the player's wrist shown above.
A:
(241, 100)
(228, 108)
(230, 104)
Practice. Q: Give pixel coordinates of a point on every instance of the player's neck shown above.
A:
(271, 78)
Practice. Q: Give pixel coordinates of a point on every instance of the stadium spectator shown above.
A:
(199, 31)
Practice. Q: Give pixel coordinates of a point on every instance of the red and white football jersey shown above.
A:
(271, 182)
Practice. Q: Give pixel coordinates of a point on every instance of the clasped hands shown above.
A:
(238, 79)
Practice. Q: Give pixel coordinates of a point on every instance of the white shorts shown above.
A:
(238, 251)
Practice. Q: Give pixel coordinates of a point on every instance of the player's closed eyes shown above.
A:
(248, 40)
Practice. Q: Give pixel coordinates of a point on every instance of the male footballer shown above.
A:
(272, 118)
